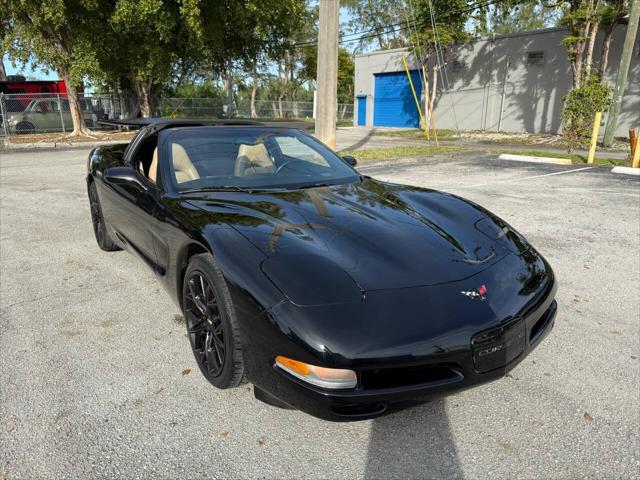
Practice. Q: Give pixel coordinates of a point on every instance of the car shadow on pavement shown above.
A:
(360, 143)
(413, 443)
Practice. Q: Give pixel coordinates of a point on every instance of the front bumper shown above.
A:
(430, 378)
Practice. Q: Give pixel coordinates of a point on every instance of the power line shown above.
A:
(392, 28)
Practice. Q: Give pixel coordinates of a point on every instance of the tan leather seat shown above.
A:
(153, 167)
(183, 168)
(252, 160)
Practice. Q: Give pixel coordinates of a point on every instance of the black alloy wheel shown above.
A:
(99, 228)
(204, 324)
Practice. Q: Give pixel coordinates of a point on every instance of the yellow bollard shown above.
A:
(636, 154)
(415, 98)
(594, 137)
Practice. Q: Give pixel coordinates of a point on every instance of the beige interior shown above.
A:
(253, 160)
(153, 167)
(183, 168)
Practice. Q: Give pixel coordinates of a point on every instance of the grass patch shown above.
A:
(416, 133)
(575, 158)
(369, 154)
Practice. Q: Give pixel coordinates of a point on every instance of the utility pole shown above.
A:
(327, 81)
(623, 69)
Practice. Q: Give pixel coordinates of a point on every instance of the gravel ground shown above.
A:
(98, 379)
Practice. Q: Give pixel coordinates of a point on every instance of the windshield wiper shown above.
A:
(227, 188)
(313, 185)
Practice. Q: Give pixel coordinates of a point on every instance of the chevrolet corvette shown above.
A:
(331, 292)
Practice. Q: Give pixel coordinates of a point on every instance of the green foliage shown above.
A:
(346, 71)
(374, 16)
(56, 35)
(450, 18)
(206, 89)
(580, 106)
(520, 16)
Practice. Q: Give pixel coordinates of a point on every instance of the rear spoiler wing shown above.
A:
(161, 123)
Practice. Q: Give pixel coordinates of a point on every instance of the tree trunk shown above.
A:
(254, 91)
(577, 49)
(592, 42)
(143, 92)
(606, 44)
(427, 110)
(79, 128)
(227, 82)
(3, 72)
(434, 85)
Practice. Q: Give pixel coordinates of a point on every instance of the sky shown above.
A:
(27, 71)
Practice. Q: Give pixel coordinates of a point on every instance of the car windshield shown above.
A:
(237, 158)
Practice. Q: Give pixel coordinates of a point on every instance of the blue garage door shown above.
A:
(393, 104)
(362, 111)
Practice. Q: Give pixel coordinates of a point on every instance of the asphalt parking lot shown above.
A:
(97, 378)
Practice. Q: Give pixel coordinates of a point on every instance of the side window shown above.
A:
(292, 147)
(146, 159)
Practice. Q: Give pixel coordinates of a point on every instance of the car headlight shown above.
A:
(333, 378)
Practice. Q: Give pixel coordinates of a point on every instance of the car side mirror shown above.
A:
(350, 160)
(124, 176)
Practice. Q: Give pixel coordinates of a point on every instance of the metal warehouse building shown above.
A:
(512, 83)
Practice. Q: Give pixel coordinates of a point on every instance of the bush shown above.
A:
(580, 106)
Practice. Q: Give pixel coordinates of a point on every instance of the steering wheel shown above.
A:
(281, 167)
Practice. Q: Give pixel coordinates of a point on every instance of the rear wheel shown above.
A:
(99, 228)
(211, 323)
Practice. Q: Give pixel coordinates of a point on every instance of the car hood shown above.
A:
(381, 235)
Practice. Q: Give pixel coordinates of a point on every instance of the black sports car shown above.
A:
(332, 292)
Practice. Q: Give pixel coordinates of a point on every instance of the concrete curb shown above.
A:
(626, 170)
(8, 147)
(529, 158)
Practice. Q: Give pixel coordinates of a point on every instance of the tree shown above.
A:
(381, 20)
(147, 39)
(58, 33)
(449, 17)
(346, 72)
(579, 16)
(612, 13)
(520, 16)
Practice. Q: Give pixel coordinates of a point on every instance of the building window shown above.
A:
(535, 58)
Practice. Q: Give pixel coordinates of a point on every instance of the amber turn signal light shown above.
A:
(333, 378)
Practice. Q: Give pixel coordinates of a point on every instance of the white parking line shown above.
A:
(519, 179)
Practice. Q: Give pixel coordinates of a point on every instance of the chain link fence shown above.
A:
(30, 113)
(23, 114)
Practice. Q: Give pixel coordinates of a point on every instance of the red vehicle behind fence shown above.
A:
(17, 84)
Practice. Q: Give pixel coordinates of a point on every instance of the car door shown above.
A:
(46, 116)
(130, 209)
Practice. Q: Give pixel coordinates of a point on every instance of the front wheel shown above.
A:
(211, 323)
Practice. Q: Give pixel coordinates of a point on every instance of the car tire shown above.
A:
(99, 227)
(25, 128)
(212, 325)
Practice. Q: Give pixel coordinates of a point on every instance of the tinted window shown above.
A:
(249, 157)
